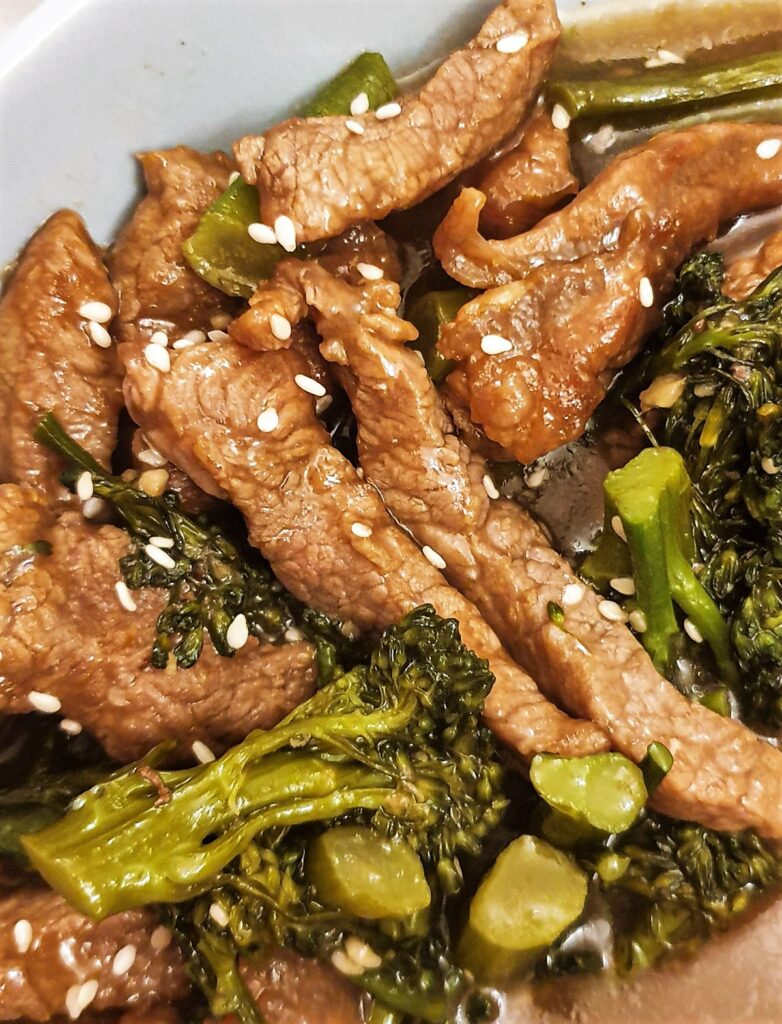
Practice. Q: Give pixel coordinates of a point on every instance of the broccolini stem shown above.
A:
(666, 88)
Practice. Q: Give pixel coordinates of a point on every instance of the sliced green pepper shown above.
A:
(603, 792)
(359, 872)
(220, 249)
(529, 897)
(666, 88)
(428, 314)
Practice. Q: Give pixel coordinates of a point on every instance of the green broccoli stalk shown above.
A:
(651, 498)
(212, 577)
(393, 749)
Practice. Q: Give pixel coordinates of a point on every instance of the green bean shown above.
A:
(529, 897)
(666, 88)
(357, 871)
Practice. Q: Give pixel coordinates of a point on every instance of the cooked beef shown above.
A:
(50, 361)
(731, 980)
(592, 280)
(497, 557)
(743, 276)
(64, 632)
(301, 499)
(157, 289)
(154, 1015)
(677, 188)
(194, 500)
(528, 182)
(68, 950)
(325, 177)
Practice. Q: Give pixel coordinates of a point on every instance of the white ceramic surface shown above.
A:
(85, 83)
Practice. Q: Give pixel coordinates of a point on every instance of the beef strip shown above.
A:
(744, 275)
(680, 186)
(69, 949)
(529, 181)
(593, 278)
(49, 360)
(324, 177)
(157, 289)
(64, 632)
(723, 775)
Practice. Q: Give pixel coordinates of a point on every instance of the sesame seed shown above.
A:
(602, 140)
(93, 507)
(285, 231)
(293, 635)
(369, 271)
(638, 620)
(323, 404)
(646, 293)
(513, 43)
(490, 487)
(268, 421)
(202, 753)
(218, 335)
(161, 557)
(362, 953)
(432, 556)
(45, 702)
(23, 935)
(537, 477)
(359, 105)
(312, 387)
(158, 357)
(218, 915)
(769, 466)
(78, 997)
(704, 390)
(84, 487)
(624, 585)
(124, 596)
(387, 111)
(663, 57)
(262, 233)
(162, 542)
(769, 148)
(71, 727)
(232, 177)
(573, 594)
(618, 527)
(152, 457)
(361, 530)
(159, 338)
(693, 632)
(349, 629)
(612, 611)
(220, 320)
(237, 634)
(182, 343)
(153, 482)
(100, 312)
(345, 964)
(196, 335)
(99, 334)
(560, 117)
(160, 938)
(280, 327)
(354, 126)
(124, 959)
(494, 344)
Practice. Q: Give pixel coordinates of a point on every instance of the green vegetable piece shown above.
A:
(220, 250)
(652, 497)
(611, 866)
(602, 791)
(717, 700)
(428, 313)
(665, 88)
(529, 897)
(363, 873)
(368, 73)
(656, 765)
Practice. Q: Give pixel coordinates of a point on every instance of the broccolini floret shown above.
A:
(394, 748)
(213, 576)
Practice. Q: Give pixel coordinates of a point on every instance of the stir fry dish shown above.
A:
(391, 543)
